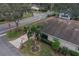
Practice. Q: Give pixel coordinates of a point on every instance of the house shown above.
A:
(66, 32)
(34, 7)
(65, 14)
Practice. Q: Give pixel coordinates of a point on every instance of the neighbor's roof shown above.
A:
(35, 7)
(65, 29)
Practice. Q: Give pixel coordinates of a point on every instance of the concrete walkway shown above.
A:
(17, 43)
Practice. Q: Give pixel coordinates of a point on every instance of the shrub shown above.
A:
(73, 53)
(64, 51)
(55, 44)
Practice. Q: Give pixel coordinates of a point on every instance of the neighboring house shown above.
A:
(65, 14)
(67, 33)
(35, 8)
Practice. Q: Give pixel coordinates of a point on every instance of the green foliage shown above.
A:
(74, 7)
(73, 53)
(55, 44)
(35, 27)
(66, 51)
(13, 11)
(25, 29)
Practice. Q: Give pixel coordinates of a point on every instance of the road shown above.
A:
(6, 49)
(36, 17)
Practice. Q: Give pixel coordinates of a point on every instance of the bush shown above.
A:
(55, 44)
(73, 53)
(64, 51)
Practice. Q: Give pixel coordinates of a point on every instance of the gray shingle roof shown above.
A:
(66, 30)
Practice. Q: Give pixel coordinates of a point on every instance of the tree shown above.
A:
(34, 32)
(35, 29)
(13, 12)
(65, 6)
(18, 10)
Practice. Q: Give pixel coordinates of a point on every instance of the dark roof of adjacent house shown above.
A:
(65, 29)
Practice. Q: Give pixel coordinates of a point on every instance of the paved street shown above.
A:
(36, 17)
(6, 49)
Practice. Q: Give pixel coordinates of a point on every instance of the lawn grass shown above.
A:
(45, 50)
(13, 34)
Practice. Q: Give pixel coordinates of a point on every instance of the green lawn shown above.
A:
(44, 50)
(13, 34)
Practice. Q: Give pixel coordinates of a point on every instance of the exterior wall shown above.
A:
(64, 43)
(50, 38)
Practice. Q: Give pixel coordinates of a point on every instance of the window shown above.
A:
(44, 36)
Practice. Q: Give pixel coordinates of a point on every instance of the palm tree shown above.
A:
(35, 31)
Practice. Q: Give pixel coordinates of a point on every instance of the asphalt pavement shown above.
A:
(36, 17)
(6, 49)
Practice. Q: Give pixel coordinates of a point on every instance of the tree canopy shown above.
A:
(13, 11)
(64, 6)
